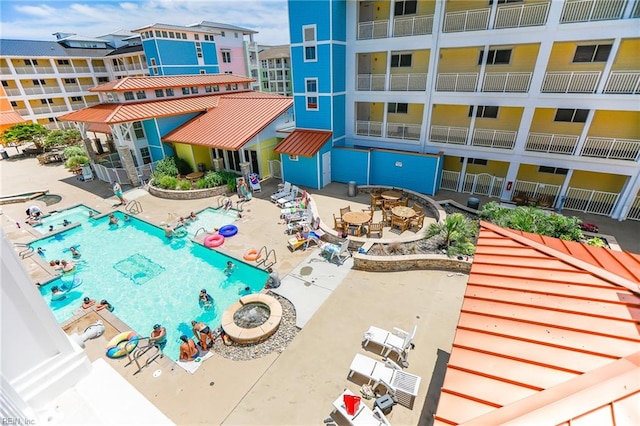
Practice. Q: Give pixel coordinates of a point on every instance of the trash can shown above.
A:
(201, 167)
(4, 154)
(353, 188)
(473, 203)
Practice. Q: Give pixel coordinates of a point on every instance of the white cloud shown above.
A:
(42, 10)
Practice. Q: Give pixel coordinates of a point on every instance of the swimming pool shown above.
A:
(56, 219)
(147, 277)
(210, 218)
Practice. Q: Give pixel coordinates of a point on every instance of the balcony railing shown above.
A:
(623, 82)
(65, 69)
(369, 128)
(408, 82)
(523, 15)
(86, 87)
(373, 29)
(447, 134)
(457, 82)
(371, 82)
(615, 149)
(83, 69)
(119, 68)
(59, 108)
(33, 90)
(12, 92)
(590, 201)
(41, 110)
(24, 70)
(591, 10)
(403, 131)
(468, 20)
(44, 70)
(411, 26)
(515, 82)
(570, 82)
(22, 111)
(71, 88)
(5, 71)
(551, 143)
(77, 106)
(502, 139)
(96, 69)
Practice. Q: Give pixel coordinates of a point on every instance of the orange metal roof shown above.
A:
(546, 335)
(121, 113)
(140, 83)
(306, 143)
(233, 122)
(99, 128)
(10, 118)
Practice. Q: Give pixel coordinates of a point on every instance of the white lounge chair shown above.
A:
(286, 190)
(364, 416)
(336, 250)
(87, 174)
(399, 383)
(399, 341)
(254, 182)
(288, 198)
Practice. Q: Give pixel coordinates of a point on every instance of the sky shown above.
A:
(38, 20)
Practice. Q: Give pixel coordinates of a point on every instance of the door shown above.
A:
(326, 168)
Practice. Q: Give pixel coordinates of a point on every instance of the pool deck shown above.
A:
(298, 385)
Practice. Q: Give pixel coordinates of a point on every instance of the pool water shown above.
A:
(75, 214)
(146, 277)
(209, 219)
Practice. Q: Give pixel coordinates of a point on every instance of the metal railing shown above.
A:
(13, 92)
(448, 134)
(269, 258)
(368, 82)
(570, 82)
(369, 128)
(612, 148)
(411, 26)
(468, 20)
(590, 201)
(523, 15)
(502, 139)
(457, 82)
(483, 184)
(65, 69)
(403, 131)
(516, 82)
(408, 82)
(551, 143)
(634, 211)
(623, 82)
(97, 69)
(373, 29)
(591, 10)
(449, 180)
(537, 190)
(83, 69)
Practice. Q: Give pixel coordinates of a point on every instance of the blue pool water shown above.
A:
(209, 219)
(73, 215)
(147, 277)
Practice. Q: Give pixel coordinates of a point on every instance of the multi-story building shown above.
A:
(275, 69)
(534, 99)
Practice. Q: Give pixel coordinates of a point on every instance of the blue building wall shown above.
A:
(177, 52)
(319, 119)
(190, 70)
(339, 64)
(302, 172)
(417, 172)
(210, 55)
(349, 164)
(339, 116)
(299, 15)
(325, 148)
(176, 57)
(164, 125)
(339, 17)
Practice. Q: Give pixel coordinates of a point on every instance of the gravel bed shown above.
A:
(276, 343)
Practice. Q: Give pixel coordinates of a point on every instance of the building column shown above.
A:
(512, 175)
(127, 162)
(627, 197)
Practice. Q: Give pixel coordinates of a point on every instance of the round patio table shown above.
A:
(391, 195)
(356, 218)
(195, 176)
(403, 212)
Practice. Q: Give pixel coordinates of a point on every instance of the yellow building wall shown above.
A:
(508, 119)
(419, 62)
(79, 62)
(459, 60)
(542, 122)
(266, 154)
(202, 154)
(562, 53)
(426, 7)
(616, 124)
(529, 173)
(523, 58)
(452, 163)
(379, 63)
(185, 152)
(450, 115)
(92, 98)
(628, 57)
(381, 10)
(413, 115)
(597, 181)
(461, 5)
(377, 111)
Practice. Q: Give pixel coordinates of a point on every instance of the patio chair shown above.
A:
(374, 228)
(338, 224)
(364, 416)
(399, 341)
(345, 210)
(295, 242)
(376, 201)
(399, 222)
(386, 217)
(286, 190)
(87, 174)
(399, 384)
(417, 208)
(254, 182)
(416, 222)
(289, 197)
(336, 251)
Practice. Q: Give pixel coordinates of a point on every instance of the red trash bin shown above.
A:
(351, 403)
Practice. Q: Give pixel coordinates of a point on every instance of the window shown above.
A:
(194, 89)
(310, 53)
(199, 54)
(137, 130)
(39, 82)
(128, 96)
(245, 85)
(184, 36)
(70, 81)
(478, 161)
(31, 62)
(203, 72)
(293, 158)
(164, 34)
(496, 57)
(196, 36)
(153, 61)
(227, 87)
(592, 53)
(172, 34)
(265, 85)
(401, 60)
(553, 170)
(46, 101)
(406, 7)
(312, 85)
(234, 86)
(207, 89)
(5, 83)
(159, 93)
(157, 33)
(140, 94)
(505, 1)
(311, 90)
(52, 120)
(397, 108)
(103, 79)
(571, 115)
(63, 62)
(14, 104)
(145, 153)
(309, 41)
(169, 92)
(235, 35)
(484, 111)
(226, 57)
(216, 88)
(206, 37)
(76, 99)
(312, 102)
(228, 72)
(185, 90)
(223, 34)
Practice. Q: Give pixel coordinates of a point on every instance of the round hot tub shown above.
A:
(252, 319)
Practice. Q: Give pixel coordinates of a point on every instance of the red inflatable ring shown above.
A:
(251, 255)
(214, 240)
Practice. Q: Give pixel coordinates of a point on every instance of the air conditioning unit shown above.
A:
(218, 164)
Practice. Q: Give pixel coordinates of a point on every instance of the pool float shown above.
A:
(66, 285)
(69, 267)
(59, 296)
(251, 255)
(214, 240)
(122, 344)
(228, 231)
(180, 233)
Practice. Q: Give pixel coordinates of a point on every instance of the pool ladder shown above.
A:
(138, 352)
(266, 262)
(134, 207)
(220, 203)
(26, 250)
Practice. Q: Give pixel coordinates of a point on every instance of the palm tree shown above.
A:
(456, 232)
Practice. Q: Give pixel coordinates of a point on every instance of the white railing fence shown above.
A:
(524, 15)
(449, 180)
(403, 131)
(517, 82)
(617, 149)
(503, 139)
(411, 26)
(623, 82)
(483, 184)
(468, 20)
(536, 190)
(590, 201)
(369, 128)
(371, 81)
(275, 169)
(447, 134)
(373, 29)
(570, 82)
(634, 211)
(457, 82)
(551, 143)
(591, 10)
(407, 82)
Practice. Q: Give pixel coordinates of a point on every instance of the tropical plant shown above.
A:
(231, 183)
(70, 151)
(62, 137)
(184, 185)
(596, 242)
(455, 234)
(76, 161)
(165, 167)
(166, 182)
(184, 168)
(21, 133)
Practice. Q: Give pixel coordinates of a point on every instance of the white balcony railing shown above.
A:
(44, 70)
(65, 69)
(551, 143)
(83, 69)
(22, 111)
(412, 26)
(98, 69)
(590, 201)
(591, 10)
(457, 82)
(369, 128)
(623, 82)
(502, 139)
(514, 82)
(77, 106)
(468, 20)
(12, 92)
(86, 87)
(71, 88)
(119, 68)
(408, 82)
(570, 82)
(33, 91)
(615, 149)
(373, 29)
(403, 131)
(5, 71)
(59, 108)
(448, 134)
(24, 70)
(523, 15)
(41, 110)
(368, 82)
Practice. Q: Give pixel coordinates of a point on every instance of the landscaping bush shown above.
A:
(166, 182)
(71, 151)
(77, 161)
(210, 180)
(184, 168)
(184, 185)
(165, 167)
(455, 234)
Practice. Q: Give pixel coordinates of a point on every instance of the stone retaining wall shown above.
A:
(192, 194)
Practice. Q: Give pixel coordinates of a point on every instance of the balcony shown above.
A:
(403, 131)
(65, 69)
(591, 10)
(373, 29)
(614, 149)
(412, 26)
(623, 82)
(44, 70)
(86, 87)
(369, 128)
(12, 92)
(551, 143)
(22, 111)
(96, 69)
(369, 82)
(408, 82)
(570, 82)
(513, 82)
(41, 110)
(457, 82)
(40, 90)
(447, 134)
(523, 15)
(488, 138)
(5, 71)
(77, 106)
(468, 20)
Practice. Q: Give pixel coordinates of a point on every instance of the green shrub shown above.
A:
(77, 161)
(166, 182)
(71, 151)
(165, 167)
(184, 185)
(455, 234)
(596, 242)
(231, 184)
(184, 168)
(211, 180)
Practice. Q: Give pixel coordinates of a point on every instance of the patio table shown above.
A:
(391, 195)
(194, 176)
(356, 220)
(403, 212)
